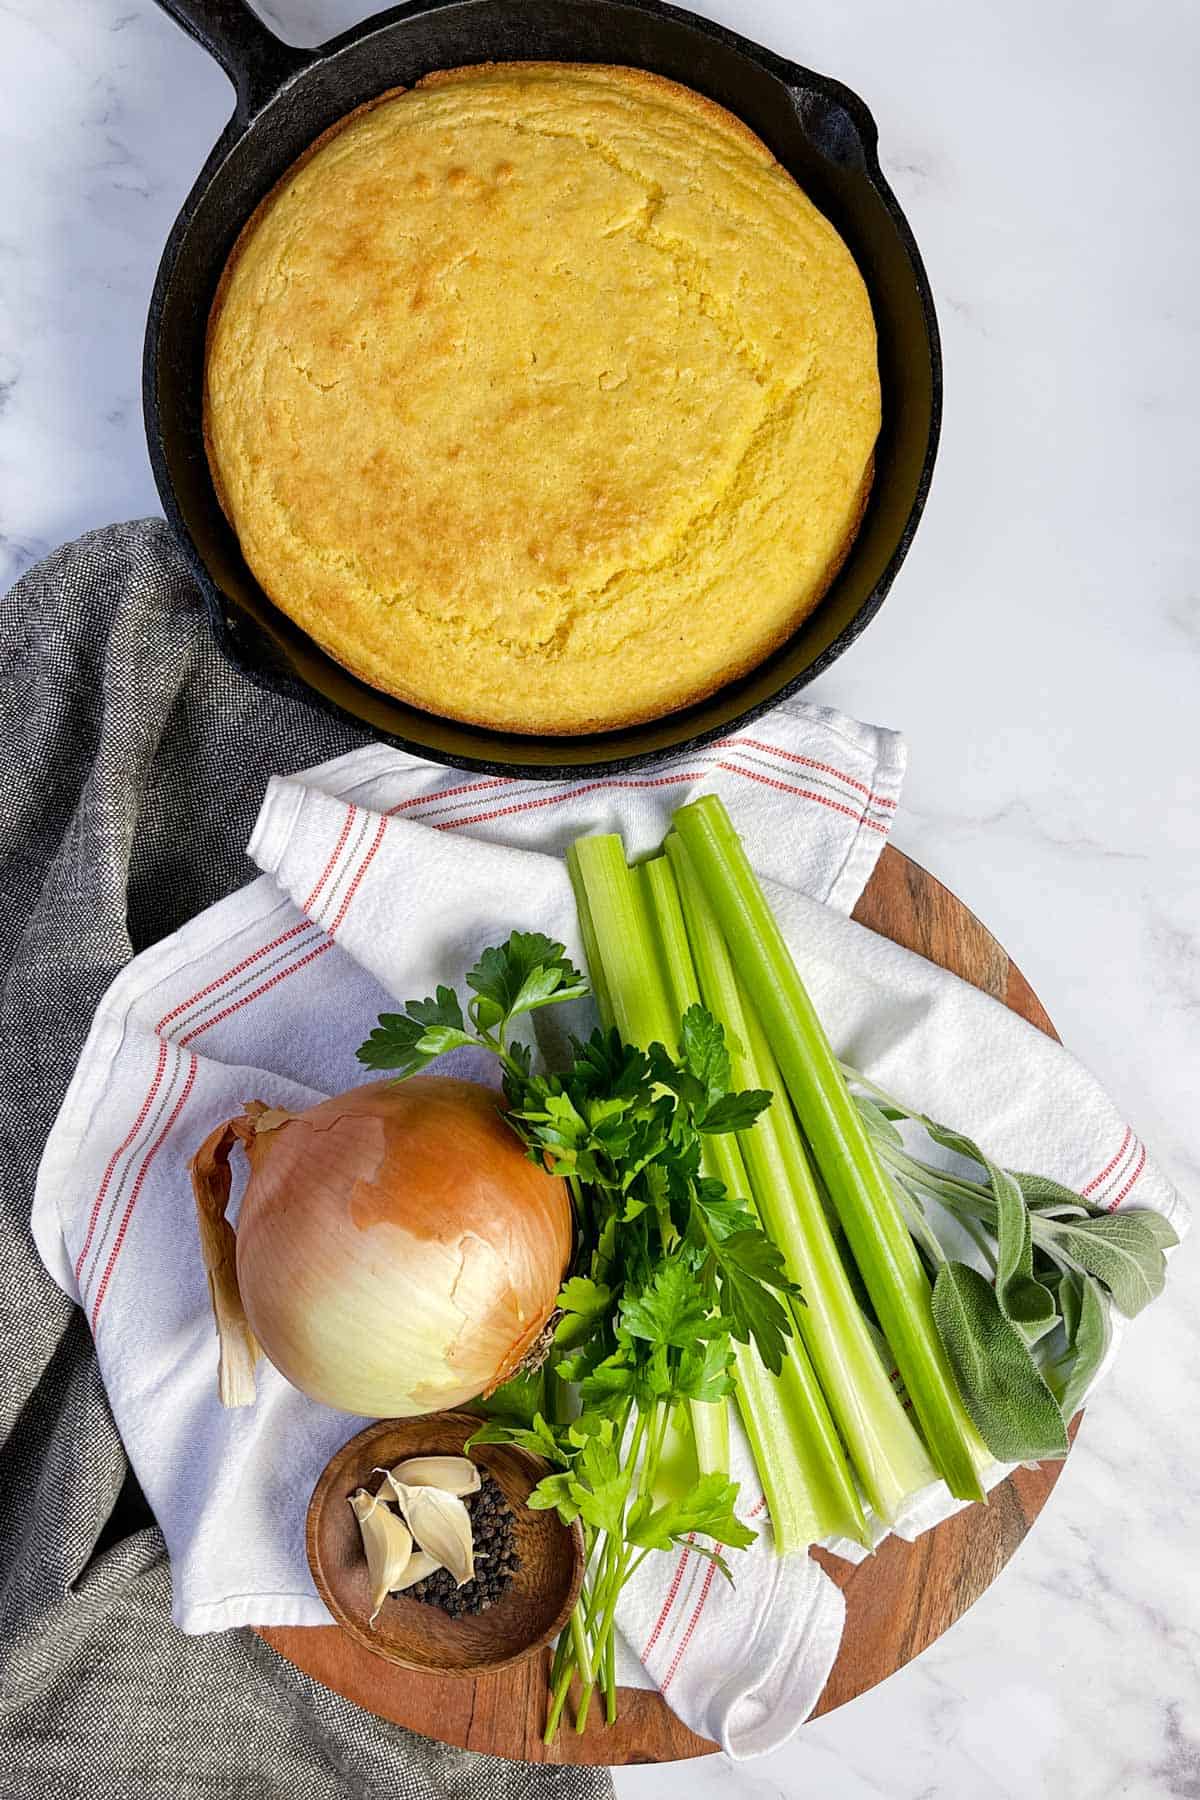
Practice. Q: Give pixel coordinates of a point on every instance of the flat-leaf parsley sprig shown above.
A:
(671, 1269)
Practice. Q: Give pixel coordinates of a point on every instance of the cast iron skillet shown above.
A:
(285, 97)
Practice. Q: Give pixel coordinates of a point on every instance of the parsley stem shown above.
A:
(616, 1580)
(562, 1651)
(557, 1700)
(579, 1645)
(584, 1221)
(652, 1456)
(610, 1579)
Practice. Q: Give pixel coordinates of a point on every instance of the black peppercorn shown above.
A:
(493, 1530)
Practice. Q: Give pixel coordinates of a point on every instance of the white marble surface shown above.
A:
(1041, 649)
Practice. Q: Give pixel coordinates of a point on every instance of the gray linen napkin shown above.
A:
(132, 764)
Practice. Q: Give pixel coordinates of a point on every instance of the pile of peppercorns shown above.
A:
(493, 1530)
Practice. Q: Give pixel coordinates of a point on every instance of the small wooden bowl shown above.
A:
(410, 1632)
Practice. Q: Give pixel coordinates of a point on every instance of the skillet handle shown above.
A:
(255, 60)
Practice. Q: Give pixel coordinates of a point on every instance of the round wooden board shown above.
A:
(897, 1602)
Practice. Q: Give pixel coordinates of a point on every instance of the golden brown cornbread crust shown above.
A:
(540, 396)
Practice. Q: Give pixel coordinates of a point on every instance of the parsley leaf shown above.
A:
(443, 1009)
(515, 977)
(723, 1213)
(748, 1268)
(734, 1112)
(671, 1310)
(609, 1384)
(602, 1500)
(583, 1296)
(701, 1081)
(704, 1053)
(705, 1373)
(585, 1305)
(579, 1363)
(555, 1491)
(538, 1438)
(407, 1042)
(392, 1046)
(707, 1507)
(605, 1065)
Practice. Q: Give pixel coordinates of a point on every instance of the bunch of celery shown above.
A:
(693, 925)
(861, 1195)
(644, 981)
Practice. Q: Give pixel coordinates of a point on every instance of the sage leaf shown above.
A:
(1042, 1194)
(1070, 1301)
(1093, 1334)
(1080, 1344)
(1013, 1409)
(1059, 1263)
(877, 1121)
(1123, 1250)
(1022, 1298)
(1155, 1224)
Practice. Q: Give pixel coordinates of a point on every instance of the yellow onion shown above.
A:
(396, 1252)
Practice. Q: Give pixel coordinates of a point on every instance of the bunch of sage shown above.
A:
(1026, 1339)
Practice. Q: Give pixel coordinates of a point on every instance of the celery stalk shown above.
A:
(626, 969)
(710, 1433)
(773, 1409)
(885, 1450)
(862, 1198)
(678, 1461)
(809, 1490)
(591, 949)
(802, 1460)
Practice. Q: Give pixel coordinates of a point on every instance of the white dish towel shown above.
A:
(383, 876)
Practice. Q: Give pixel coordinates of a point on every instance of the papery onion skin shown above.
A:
(397, 1253)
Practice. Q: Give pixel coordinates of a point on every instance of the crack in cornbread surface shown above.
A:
(541, 397)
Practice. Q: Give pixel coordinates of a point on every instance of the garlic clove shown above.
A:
(439, 1523)
(387, 1542)
(420, 1564)
(455, 1474)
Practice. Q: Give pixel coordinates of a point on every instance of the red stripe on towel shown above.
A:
(1108, 1168)
(137, 1188)
(467, 787)
(118, 1153)
(354, 885)
(809, 762)
(786, 787)
(590, 787)
(669, 1602)
(699, 1608)
(1113, 1204)
(327, 871)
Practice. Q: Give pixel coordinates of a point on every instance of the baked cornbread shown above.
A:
(542, 397)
